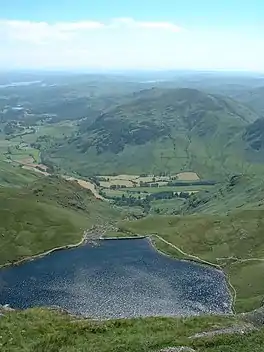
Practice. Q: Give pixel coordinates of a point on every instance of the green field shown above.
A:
(143, 191)
(166, 206)
(24, 154)
(19, 149)
(159, 206)
(54, 130)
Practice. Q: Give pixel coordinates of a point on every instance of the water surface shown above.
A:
(117, 278)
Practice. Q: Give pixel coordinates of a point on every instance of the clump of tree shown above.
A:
(43, 142)
(113, 187)
(133, 202)
(168, 195)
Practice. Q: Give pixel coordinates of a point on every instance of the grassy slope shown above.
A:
(240, 192)
(15, 176)
(47, 213)
(43, 330)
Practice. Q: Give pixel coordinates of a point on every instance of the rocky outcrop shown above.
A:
(255, 317)
(237, 329)
(5, 309)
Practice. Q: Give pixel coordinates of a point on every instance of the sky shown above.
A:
(132, 34)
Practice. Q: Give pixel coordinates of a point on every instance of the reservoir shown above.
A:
(116, 279)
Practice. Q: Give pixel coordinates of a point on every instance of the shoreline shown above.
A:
(195, 259)
(121, 238)
(149, 238)
(186, 256)
(43, 254)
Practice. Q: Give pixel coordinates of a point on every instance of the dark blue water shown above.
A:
(124, 278)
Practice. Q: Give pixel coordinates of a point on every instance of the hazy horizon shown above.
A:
(130, 72)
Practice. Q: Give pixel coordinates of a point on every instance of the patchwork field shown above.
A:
(187, 176)
(163, 194)
(20, 148)
(139, 180)
(116, 182)
(54, 130)
(143, 192)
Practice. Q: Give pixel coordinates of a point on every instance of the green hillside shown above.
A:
(160, 130)
(254, 137)
(14, 176)
(46, 213)
(238, 193)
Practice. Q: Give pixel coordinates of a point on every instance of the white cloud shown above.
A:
(126, 43)
(41, 32)
(31, 32)
(160, 25)
(75, 26)
(131, 23)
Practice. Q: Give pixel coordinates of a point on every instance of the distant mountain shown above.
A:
(254, 135)
(254, 98)
(159, 130)
(253, 138)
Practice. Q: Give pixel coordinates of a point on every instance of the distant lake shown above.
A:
(17, 84)
(117, 278)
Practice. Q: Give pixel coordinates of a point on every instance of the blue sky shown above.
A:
(132, 34)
